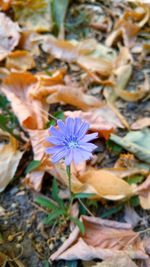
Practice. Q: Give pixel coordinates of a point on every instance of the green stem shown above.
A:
(68, 170)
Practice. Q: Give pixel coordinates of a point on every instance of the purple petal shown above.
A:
(69, 158)
(61, 126)
(87, 146)
(82, 131)
(54, 149)
(89, 137)
(70, 123)
(78, 123)
(55, 140)
(80, 155)
(54, 131)
(58, 156)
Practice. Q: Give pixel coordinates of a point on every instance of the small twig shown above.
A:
(89, 212)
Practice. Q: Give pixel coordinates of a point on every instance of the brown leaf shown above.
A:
(122, 72)
(126, 30)
(103, 67)
(30, 41)
(103, 119)
(68, 95)
(143, 191)
(60, 49)
(10, 157)
(29, 111)
(141, 123)
(106, 184)
(45, 83)
(9, 35)
(102, 239)
(20, 60)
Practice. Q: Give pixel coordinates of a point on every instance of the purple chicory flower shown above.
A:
(70, 141)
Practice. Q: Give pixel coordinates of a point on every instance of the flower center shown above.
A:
(72, 144)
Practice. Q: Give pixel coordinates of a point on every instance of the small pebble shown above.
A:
(10, 238)
(51, 246)
(14, 205)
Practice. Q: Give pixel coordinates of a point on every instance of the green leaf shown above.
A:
(134, 201)
(59, 115)
(46, 203)
(78, 223)
(33, 165)
(83, 195)
(136, 179)
(3, 123)
(55, 194)
(53, 216)
(112, 211)
(59, 10)
(137, 142)
(116, 149)
(3, 102)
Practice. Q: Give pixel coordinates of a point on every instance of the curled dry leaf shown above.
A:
(45, 83)
(10, 157)
(126, 30)
(20, 60)
(30, 41)
(143, 191)
(9, 35)
(94, 58)
(106, 184)
(29, 111)
(102, 239)
(122, 80)
(128, 27)
(104, 120)
(141, 123)
(73, 96)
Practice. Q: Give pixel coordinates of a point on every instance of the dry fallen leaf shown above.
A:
(129, 25)
(72, 96)
(104, 120)
(106, 184)
(141, 123)
(29, 111)
(9, 35)
(88, 54)
(102, 239)
(20, 60)
(9, 161)
(143, 191)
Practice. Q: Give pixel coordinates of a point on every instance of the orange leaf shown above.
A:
(28, 110)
